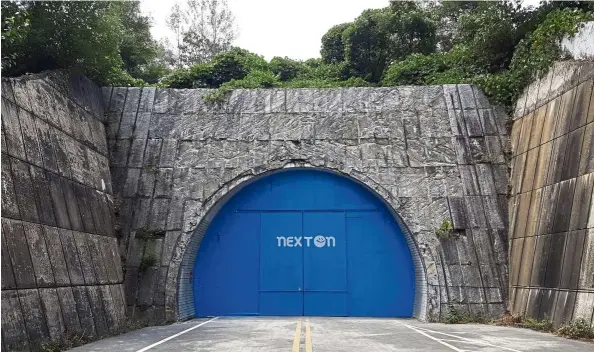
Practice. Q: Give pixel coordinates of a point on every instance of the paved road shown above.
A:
(317, 334)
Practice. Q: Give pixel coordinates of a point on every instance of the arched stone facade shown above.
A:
(218, 199)
(432, 153)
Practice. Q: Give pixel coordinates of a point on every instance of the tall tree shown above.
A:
(203, 29)
(175, 22)
(107, 40)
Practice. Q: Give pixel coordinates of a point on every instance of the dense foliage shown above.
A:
(501, 46)
(108, 41)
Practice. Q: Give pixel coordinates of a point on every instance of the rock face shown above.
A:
(552, 179)
(61, 270)
(434, 154)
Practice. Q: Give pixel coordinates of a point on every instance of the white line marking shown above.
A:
(176, 335)
(478, 342)
(432, 338)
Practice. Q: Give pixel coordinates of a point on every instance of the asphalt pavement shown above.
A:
(303, 334)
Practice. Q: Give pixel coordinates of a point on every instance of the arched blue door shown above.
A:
(304, 242)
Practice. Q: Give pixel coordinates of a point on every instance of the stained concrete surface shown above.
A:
(334, 334)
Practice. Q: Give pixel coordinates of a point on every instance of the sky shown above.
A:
(292, 28)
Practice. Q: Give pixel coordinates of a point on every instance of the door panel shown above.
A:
(231, 256)
(281, 303)
(381, 280)
(325, 263)
(281, 264)
(330, 304)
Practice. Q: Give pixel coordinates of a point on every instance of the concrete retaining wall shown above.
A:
(433, 153)
(552, 217)
(61, 270)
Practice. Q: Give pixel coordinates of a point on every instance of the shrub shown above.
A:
(577, 329)
(446, 230)
(454, 316)
(544, 325)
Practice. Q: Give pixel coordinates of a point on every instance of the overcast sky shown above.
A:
(292, 28)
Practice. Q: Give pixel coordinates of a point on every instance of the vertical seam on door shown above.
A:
(346, 269)
(302, 265)
(259, 259)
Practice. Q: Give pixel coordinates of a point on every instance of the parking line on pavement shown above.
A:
(474, 341)
(176, 335)
(297, 337)
(308, 344)
(431, 337)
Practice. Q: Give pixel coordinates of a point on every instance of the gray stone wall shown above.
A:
(61, 270)
(432, 153)
(552, 179)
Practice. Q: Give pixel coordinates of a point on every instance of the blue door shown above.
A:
(325, 265)
(304, 242)
(281, 264)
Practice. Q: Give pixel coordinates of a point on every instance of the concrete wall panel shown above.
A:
(559, 271)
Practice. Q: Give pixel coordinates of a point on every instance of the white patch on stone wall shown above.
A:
(581, 46)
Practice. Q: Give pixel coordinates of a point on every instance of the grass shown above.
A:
(578, 329)
(454, 316)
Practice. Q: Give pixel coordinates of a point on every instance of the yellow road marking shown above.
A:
(308, 345)
(297, 337)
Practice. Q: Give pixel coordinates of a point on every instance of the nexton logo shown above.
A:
(318, 241)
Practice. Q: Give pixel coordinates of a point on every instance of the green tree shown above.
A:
(107, 41)
(332, 45)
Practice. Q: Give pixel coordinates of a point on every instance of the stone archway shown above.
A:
(188, 246)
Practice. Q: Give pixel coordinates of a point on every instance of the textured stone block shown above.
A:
(22, 187)
(572, 160)
(159, 214)
(40, 257)
(112, 317)
(98, 311)
(56, 255)
(129, 113)
(530, 167)
(584, 305)
(541, 172)
(100, 264)
(581, 202)
(30, 140)
(549, 198)
(14, 337)
(35, 322)
(557, 159)
(336, 125)
(85, 312)
(587, 154)
(563, 206)
(524, 137)
(473, 123)
(71, 257)
(430, 152)
(9, 201)
(534, 212)
(8, 280)
(136, 152)
(565, 113)
(475, 211)
(53, 312)
(71, 205)
(564, 306)
(18, 250)
(69, 312)
(86, 259)
(581, 103)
